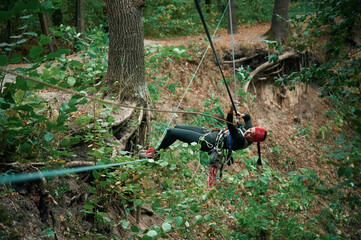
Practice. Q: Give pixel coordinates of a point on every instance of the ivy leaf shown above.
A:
(44, 39)
(18, 96)
(48, 137)
(173, 167)
(344, 171)
(3, 60)
(46, 5)
(273, 58)
(96, 174)
(208, 217)
(16, 58)
(169, 219)
(178, 221)
(199, 218)
(152, 234)
(204, 197)
(31, 34)
(92, 189)
(137, 202)
(166, 227)
(36, 51)
(152, 59)
(134, 229)
(22, 40)
(71, 81)
(125, 223)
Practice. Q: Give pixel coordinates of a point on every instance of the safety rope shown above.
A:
(84, 95)
(214, 51)
(194, 75)
(234, 64)
(26, 177)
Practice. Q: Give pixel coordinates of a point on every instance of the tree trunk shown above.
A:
(232, 11)
(279, 26)
(125, 77)
(45, 27)
(57, 17)
(126, 69)
(208, 7)
(80, 20)
(5, 33)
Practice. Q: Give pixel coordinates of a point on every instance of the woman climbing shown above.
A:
(235, 137)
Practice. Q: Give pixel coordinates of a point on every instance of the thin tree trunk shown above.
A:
(80, 18)
(45, 27)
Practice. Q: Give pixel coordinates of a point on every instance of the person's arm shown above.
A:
(247, 121)
(237, 138)
(246, 117)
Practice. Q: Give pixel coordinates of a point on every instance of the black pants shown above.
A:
(189, 134)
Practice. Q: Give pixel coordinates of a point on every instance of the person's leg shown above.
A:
(192, 128)
(183, 135)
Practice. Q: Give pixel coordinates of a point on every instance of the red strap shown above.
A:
(212, 176)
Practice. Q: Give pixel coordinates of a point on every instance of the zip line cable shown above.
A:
(31, 176)
(84, 95)
(214, 51)
(194, 75)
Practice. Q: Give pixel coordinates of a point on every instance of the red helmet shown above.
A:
(259, 134)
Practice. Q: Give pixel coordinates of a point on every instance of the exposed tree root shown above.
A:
(268, 66)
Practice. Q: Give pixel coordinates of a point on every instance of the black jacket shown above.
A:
(235, 139)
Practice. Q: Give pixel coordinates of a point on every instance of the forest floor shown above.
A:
(297, 124)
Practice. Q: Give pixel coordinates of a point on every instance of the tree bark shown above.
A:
(126, 69)
(80, 19)
(232, 11)
(45, 27)
(125, 77)
(279, 26)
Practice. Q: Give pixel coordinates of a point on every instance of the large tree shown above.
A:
(279, 26)
(125, 79)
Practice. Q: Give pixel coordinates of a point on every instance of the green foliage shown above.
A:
(334, 23)
(252, 12)
(243, 77)
(177, 17)
(155, 57)
(28, 127)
